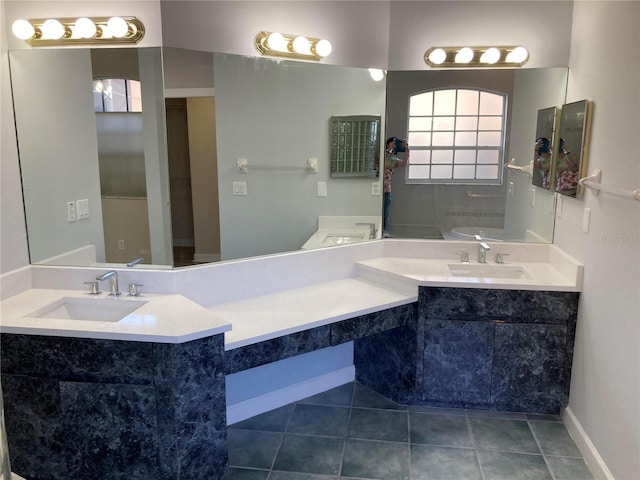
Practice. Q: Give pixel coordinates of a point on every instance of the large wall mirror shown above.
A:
(201, 113)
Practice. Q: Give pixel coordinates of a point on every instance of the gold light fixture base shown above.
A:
(448, 57)
(134, 34)
(261, 42)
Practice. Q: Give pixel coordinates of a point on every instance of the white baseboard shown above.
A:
(588, 450)
(292, 393)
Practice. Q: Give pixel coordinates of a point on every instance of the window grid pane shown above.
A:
(458, 133)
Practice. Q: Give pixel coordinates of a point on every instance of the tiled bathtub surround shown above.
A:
(352, 432)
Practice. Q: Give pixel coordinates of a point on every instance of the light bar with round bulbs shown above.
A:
(79, 31)
(291, 46)
(465, 57)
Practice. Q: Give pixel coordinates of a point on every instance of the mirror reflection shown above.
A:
(462, 128)
(571, 157)
(271, 116)
(544, 148)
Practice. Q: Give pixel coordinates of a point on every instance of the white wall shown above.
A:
(358, 30)
(544, 28)
(605, 388)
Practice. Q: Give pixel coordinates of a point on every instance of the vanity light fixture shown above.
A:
(465, 57)
(277, 44)
(79, 31)
(377, 74)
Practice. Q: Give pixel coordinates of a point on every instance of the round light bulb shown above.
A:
(52, 30)
(517, 55)
(85, 28)
(276, 42)
(117, 27)
(23, 29)
(323, 48)
(376, 74)
(491, 56)
(301, 45)
(437, 56)
(464, 55)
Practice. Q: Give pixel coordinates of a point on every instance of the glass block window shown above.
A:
(354, 143)
(456, 136)
(117, 95)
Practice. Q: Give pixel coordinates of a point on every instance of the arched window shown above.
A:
(456, 136)
(117, 95)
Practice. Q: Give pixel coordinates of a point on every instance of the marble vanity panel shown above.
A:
(109, 428)
(191, 402)
(458, 358)
(279, 348)
(33, 421)
(529, 368)
(77, 359)
(89, 409)
(388, 363)
(370, 324)
(519, 306)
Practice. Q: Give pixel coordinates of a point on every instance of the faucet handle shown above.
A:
(133, 289)
(94, 288)
(500, 257)
(464, 256)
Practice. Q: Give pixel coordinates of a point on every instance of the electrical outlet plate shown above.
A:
(375, 188)
(72, 214)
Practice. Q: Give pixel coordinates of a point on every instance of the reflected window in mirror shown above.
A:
(456, 136)
(117, 95)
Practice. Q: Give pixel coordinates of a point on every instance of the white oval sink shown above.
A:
(487, 271)
(342, 239)
(91, 309)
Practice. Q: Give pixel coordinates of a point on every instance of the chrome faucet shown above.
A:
(372, 229)
(112, 275)
(482, 253)
(135, 262)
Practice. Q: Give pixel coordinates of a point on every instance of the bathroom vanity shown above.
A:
(145, 398)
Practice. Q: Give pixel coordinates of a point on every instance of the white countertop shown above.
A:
(162, 319)
(259, 299)
(271, 316)
(436, 273)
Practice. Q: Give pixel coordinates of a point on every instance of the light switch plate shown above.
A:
(586, 219)
(239, 188)
(510, 189)
(83, 208)
(533, 198)
(559, 206)
(322, 189)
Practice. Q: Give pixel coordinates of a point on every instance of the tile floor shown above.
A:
(351, 432)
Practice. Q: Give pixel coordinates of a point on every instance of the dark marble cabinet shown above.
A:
(103, 409)
(476, 348)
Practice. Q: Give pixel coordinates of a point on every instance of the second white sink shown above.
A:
(487, 271)
(91, 309)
